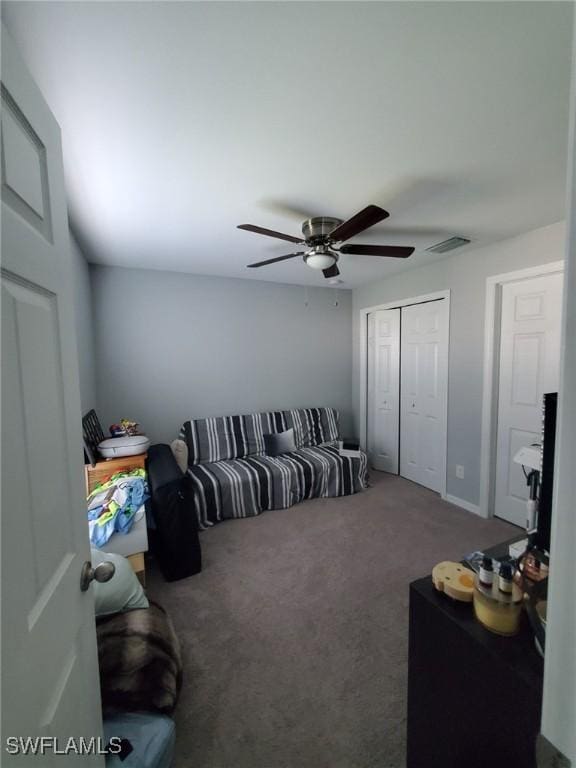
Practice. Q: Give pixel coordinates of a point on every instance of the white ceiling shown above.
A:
(182, 120)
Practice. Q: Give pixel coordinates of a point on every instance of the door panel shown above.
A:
(529, 367)
(527, 360)
(383, 389)
(410, 429)
(50, 674)
(424, 355)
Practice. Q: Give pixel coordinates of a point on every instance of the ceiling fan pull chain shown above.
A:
(335, 296)
(305, 295)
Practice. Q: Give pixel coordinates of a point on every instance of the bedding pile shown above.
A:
(115, 505)
(139, 659)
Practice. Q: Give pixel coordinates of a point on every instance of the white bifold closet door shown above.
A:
(383, 415)
(423, 376)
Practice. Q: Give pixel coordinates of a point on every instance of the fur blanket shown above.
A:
(140, 663)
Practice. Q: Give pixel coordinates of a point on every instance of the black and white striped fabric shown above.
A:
(245, 484)
(233, 437)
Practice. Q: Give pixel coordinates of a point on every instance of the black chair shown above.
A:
(93, 436)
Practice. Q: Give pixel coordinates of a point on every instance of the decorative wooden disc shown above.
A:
(455, 579)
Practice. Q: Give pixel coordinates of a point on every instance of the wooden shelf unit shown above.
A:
(107, 467)
(101, 472)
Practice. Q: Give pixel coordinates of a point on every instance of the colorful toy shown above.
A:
(126, 428)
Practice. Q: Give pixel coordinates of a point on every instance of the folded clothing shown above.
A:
(139, 659)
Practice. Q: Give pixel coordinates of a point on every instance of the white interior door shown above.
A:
(529, 367)
(424, 383)
(50, 676)
(383, 412)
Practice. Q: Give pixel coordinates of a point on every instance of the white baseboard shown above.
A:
(468, 506)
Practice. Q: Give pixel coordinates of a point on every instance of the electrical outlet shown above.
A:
(459, 471)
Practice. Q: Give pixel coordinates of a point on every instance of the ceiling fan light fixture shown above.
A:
(320, 259)
(321, 233)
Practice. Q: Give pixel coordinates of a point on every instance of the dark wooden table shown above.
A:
(474, 698)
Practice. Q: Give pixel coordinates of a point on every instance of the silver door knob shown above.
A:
(101, 573)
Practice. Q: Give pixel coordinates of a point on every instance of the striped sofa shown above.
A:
(231, 476)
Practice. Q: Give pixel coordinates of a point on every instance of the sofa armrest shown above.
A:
(162, 468)
(180, 452)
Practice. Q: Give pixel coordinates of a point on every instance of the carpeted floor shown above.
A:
(294, 636)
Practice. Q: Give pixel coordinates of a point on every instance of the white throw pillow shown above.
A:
(123, 592)
(180, 453)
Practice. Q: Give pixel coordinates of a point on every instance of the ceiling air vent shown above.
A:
(448, 245)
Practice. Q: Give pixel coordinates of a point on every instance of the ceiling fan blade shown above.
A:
(273, 261)
(391, 251)
(332, 271)
(365, 218)
(270, 233)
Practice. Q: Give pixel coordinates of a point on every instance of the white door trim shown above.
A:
(559, 695)
(492, 314)
(364, 312)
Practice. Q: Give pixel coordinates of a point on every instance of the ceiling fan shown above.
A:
(322, 232)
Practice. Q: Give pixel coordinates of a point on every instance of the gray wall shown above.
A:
(84, 325)
(173, 346)
(465, 275)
